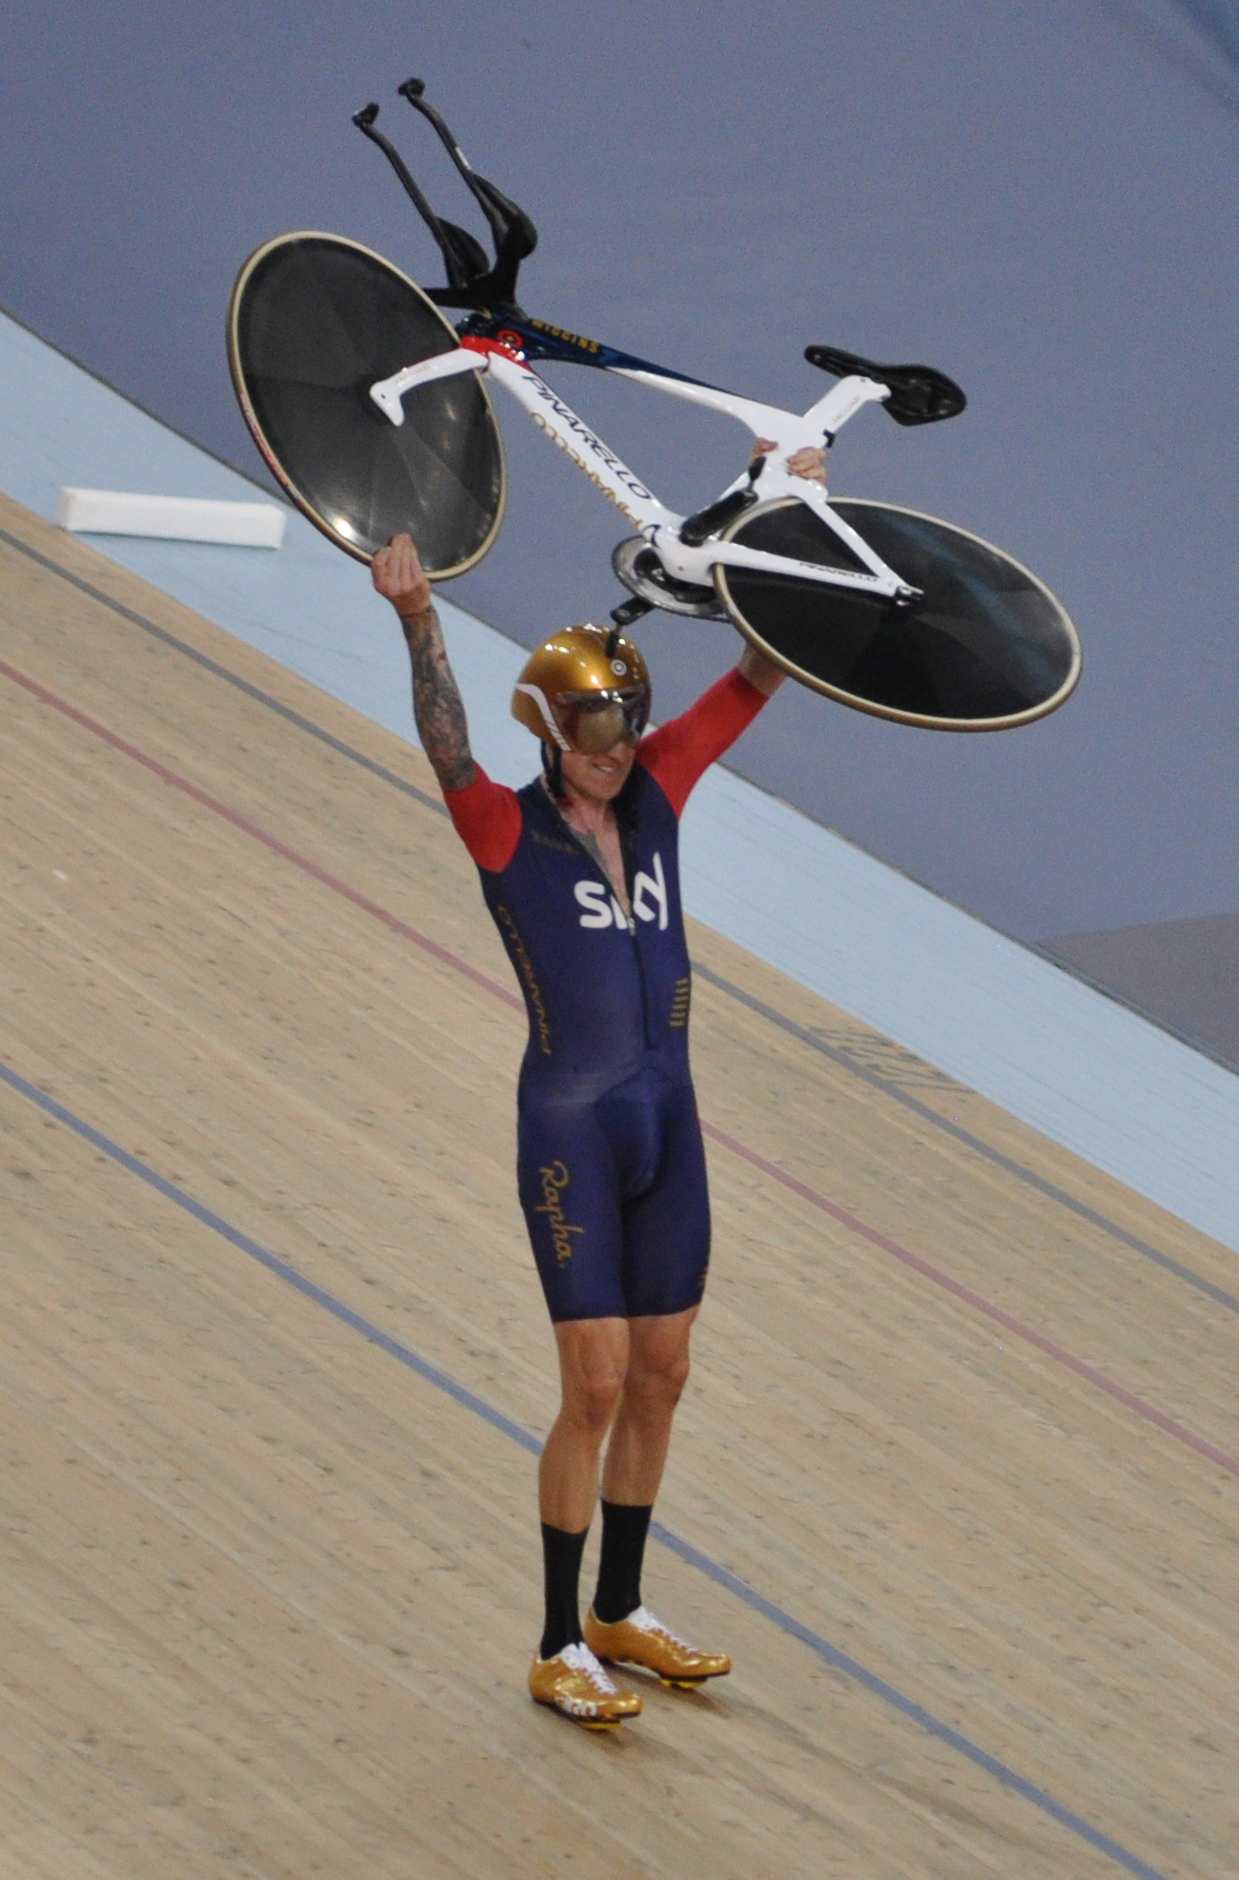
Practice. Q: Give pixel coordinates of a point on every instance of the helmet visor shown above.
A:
(593, 721)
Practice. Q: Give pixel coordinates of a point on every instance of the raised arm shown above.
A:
(760, 671)
(399, 577)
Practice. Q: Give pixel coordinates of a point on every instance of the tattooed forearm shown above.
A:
(437, 705)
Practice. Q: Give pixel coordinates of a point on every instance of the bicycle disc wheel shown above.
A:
(987, 646)
(314, 321)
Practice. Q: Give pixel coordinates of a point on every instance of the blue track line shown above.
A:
(806, 1035)
(692, 1556)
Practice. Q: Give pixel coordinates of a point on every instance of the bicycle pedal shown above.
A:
(628, 611)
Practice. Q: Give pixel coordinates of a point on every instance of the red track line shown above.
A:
(260, 835)
(770, 1169)
(980, 1304)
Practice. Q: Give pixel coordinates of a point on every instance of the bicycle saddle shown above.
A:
(919, 394)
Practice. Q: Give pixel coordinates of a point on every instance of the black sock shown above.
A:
(561, 1566)
(619, 1571)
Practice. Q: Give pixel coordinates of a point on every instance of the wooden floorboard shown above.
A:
(268, 1595)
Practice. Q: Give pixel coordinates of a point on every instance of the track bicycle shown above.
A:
(373, 412)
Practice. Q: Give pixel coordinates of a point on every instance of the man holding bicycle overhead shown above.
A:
(579, 870)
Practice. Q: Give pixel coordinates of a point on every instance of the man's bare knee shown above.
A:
(593, 1363)
(656, 1383)
(592, 1400)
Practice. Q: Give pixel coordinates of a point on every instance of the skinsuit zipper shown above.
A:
(629, 918)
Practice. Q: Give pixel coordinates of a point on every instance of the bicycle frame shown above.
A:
(499, 338)
(978, 644)
(503, 346)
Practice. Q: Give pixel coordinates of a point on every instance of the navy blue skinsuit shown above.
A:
(610, 1164)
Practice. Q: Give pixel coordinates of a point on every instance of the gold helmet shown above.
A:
(583, 690)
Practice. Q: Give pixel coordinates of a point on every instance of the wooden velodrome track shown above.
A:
(956, 1480)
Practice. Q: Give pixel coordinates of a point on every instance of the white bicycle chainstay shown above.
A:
(659, 525)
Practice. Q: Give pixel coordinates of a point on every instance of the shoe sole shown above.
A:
(672, 1684)
(582, 1723)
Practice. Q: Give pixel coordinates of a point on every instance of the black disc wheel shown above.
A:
(315, 320)
(985, 646)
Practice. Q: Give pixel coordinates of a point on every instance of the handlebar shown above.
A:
(473, 281)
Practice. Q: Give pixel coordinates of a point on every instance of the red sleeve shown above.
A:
(677, 753)
(487, 818)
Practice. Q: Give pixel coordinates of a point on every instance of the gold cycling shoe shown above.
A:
(575, 1684)
(643, 1640)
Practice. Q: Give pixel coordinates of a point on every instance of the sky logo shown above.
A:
(649, 900)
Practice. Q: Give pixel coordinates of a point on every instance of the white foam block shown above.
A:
(175, 518)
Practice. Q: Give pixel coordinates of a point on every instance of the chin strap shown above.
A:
(553, 770)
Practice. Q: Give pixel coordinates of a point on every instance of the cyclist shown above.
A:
(579, 871)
